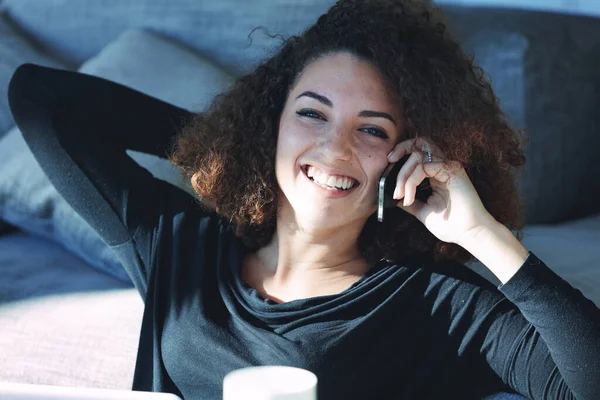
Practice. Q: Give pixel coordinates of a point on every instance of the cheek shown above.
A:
(374, 164)
(374, 159)
(376, 148)
(290, 144)
(293, 140)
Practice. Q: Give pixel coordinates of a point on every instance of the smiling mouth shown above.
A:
(338, 187)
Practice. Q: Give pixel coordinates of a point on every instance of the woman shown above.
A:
(288, 264)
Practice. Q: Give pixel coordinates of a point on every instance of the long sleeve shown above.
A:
(535, 334)
(79, 128)
(568, 324)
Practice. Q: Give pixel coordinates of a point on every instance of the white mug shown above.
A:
(270, 383)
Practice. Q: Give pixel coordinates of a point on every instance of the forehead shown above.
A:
(345, 76)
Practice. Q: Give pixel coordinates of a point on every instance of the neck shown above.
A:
(303, 263)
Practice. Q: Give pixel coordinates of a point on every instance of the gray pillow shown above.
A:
(14, 51)
(164, 69)
(143, 61)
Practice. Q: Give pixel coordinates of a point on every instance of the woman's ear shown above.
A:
(209, 203)
(193, 181)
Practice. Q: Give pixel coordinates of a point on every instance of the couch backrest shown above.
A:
(545, 68)
(76, 30)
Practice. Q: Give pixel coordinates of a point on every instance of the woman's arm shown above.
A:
(552, 345)
(566, 321)
(78, 128)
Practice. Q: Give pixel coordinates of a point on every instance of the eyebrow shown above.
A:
(365, 113)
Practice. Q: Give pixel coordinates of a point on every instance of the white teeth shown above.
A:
(324, 179)
(320, 178)
(344, 183)
(331, 181)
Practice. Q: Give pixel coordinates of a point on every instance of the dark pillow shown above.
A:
(545, 68)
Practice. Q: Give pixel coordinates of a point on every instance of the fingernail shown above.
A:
(397, 193)
(390, 154)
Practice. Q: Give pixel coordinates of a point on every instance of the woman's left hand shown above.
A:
(454, 212)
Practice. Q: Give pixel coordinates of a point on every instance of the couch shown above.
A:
(68, 313)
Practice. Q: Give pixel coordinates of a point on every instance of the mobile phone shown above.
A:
(387, 185)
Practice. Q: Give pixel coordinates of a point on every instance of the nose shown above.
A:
(337, 144)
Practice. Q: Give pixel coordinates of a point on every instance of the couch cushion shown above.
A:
(141, 60)
(62, 323)
(14, 51)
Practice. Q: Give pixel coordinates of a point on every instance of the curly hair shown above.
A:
(228, 151)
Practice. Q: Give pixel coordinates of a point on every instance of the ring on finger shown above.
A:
(427, 157)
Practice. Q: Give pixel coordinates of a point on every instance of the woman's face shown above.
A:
(338, 125)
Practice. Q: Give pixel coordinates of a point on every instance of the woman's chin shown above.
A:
(313, 215)
(322, 218)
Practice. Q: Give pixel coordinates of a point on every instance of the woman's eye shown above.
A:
(376, 132)
(309, 114)
(315, 115)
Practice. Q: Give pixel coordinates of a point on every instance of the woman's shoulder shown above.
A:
(446, 281)
(450, 271)
(460, 273)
